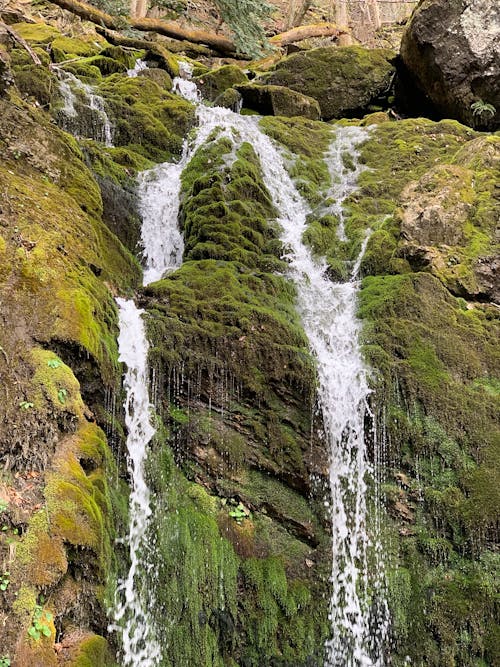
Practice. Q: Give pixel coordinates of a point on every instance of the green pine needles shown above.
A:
(245, 18)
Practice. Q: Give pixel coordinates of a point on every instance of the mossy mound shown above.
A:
(147, 118)
(347, 81)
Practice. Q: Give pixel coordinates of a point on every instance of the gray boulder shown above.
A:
(451, 49)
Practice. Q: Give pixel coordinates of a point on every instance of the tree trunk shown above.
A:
(296, 11)
(342, 17)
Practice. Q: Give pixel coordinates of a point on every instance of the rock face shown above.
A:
(346, 82)
(452, 51)
(279, 101)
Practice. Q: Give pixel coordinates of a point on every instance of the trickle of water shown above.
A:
(342, 160)
(183, 85)
(140, 66)
(99, 127)
(131, 615)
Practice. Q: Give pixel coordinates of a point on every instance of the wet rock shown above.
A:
(452, 53)
(278, 101)
(348, 81)
(436, 215)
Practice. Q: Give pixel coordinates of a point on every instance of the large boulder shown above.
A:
(347, 81)
(451, 49)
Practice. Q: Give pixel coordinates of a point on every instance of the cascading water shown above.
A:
(94, 124)
(140, 66)
(131, 613)
(328, 312)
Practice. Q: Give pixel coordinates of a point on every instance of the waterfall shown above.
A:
(131, 613)
(94, 123)
(328, 313)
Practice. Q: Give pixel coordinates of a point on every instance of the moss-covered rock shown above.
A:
(229, 323)
(347, 81)
(215, 82)
(278, 101)
(147, 118)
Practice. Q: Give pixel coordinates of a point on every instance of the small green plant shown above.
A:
(4, 661)
(54, 363)
(62, 395)
(40, 622)
(26, 405)
(480, 108)
(239, 513)
(4, 581)
(4, 506)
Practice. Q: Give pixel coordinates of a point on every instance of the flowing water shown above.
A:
(84, 111)
(140, 647)
(328, 312)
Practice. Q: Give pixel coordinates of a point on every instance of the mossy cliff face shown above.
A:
(239, 538)
(237, 467)
(62, 500)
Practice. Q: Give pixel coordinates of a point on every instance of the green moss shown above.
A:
(93, 651)
(65, 48)
(36, 33)
(225, 337)
(216, 81)
(147, 119)
(441, 427)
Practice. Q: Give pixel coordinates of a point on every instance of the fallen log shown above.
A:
(166, 28)
(306, 32)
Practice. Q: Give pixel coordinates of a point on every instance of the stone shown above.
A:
(229, 99)
(213, 84)
(159, 76)
(278, 101)
(451, 51)
(347, 81)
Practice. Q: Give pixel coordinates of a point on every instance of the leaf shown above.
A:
(54, 363)
(61, 395)
(46, 630)
(48, 616)
(33, 633)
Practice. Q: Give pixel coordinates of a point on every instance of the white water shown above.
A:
(100, 128)
(140, 648)
(159, 191)
(183, 85)
(140, 66)
(344, 177)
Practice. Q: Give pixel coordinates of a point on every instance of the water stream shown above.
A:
(131, 612)
(94, 122)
